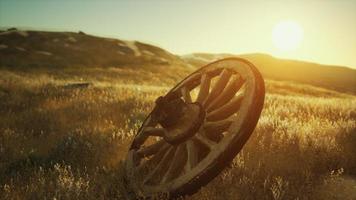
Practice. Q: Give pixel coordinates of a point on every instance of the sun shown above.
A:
(287, 35)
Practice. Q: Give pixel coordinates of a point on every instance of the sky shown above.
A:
(185, 26)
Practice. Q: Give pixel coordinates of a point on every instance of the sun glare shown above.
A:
(287, 35)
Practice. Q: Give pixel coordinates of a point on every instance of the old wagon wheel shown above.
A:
(196, 129)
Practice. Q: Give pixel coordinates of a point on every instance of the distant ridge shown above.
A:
(332, 77)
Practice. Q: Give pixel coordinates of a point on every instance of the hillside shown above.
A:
(332, 77)
(28, 50)
(67, 49)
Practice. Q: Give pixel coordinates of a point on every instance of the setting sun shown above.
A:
(287, 35)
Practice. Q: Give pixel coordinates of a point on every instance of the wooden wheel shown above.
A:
(202, 124)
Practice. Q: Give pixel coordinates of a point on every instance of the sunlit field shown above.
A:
(58, 141)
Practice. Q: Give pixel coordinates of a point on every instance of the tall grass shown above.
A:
(60, 143)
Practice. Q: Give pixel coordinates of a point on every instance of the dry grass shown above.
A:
(58, 143)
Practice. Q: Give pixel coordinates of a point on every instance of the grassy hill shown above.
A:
(332, 77)
(31, 49)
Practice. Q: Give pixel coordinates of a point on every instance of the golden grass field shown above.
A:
(62, 143)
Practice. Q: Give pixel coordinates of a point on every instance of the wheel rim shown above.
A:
(230, 91)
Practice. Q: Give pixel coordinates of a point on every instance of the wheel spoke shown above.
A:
(227, 94)
(155, 158)
(186, 95)
(146, 132)
(141, 137)
(226, 110)
(152, 131)
(214, 130)
(204, 140)
(152, 149)
(192, 155)
(160, 165)
(204, 88)
(218, 87)
(175, 163)
(217, 126)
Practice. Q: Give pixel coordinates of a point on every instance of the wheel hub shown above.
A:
(181, 120)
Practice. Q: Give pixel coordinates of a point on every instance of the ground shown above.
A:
(59, 142)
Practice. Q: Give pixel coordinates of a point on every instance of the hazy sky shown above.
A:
(186, 26)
